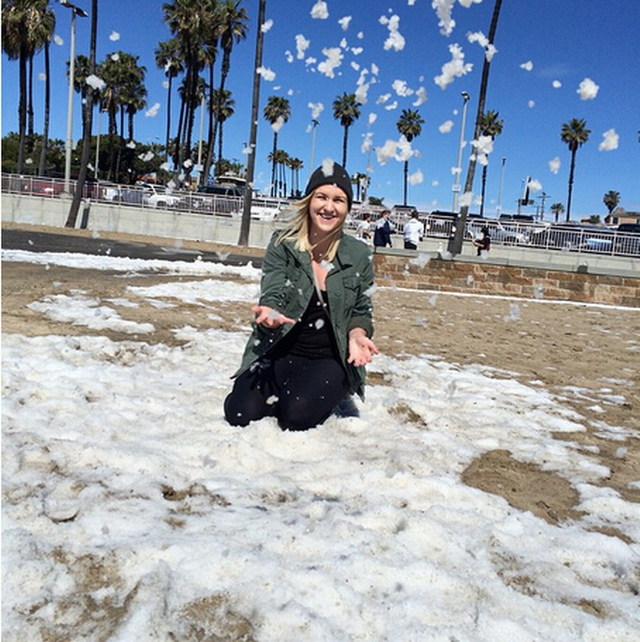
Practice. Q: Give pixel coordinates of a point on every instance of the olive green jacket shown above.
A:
(287, 286)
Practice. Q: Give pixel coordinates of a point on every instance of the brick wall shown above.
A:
(487, 278)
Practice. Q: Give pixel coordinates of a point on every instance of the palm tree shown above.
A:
(168, 58)
(188, 21)
(490, 125)
(276, 112)
(231, 28)
(26, 27)
(47, 35)
(611, 200)
(410, 126)
(346, 109)
(223, 108)
(295, 165)
(245, 225)
(88, 119)
(455, 242)
(574, 133)
(557, 209)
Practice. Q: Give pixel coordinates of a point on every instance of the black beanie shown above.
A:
(330, 173)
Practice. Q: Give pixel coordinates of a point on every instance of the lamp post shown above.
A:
(314, 124)
(456, 186)
(499, 208)
(75, 11)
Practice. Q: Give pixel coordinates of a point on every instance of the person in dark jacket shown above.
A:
(383, 231)
(313, 324)
(483, 242)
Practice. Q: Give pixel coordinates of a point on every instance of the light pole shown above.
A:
(75, 11)
(499, 208)
(456, 186)
(314, 124)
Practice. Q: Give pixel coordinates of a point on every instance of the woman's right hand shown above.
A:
(270, 318)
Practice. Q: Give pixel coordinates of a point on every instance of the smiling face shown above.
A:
(328, 209)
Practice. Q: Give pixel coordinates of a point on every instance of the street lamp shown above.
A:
(456, 186)
(314, 124)
(499, 208)
(75, 11)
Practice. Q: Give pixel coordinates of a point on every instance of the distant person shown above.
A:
(483, 241)
(363, 231)
(413, 232)
(383, 231)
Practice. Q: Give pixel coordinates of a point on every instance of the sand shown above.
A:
(588, 357)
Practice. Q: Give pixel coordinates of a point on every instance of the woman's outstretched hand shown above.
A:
(361, 348)
(269, 318)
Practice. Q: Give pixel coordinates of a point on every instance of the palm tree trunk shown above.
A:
(243, 239)
(88, 117)
(344, 146)
(570, 192)
(22, 109)
(484, 184)
(455, 242)
(211, 135)
(273, 167)
(47, 110)
(29, 141)
(406, 176)
(168, 134)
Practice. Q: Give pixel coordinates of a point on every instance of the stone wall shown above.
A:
(482, 277)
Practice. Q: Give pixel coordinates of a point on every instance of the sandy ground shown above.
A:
(587, 356)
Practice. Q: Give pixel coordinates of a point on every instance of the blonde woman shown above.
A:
(313, 323)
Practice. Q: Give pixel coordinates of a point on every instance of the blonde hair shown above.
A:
(296, 227)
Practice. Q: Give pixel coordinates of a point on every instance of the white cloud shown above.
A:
(609, 141)
(266, 25)
(421, 97)
(455, 68)
(556, 84)
(332, 61)
(395, 39)
(153, 111)
(527, 66)
(114, 36)
(316, 109)
(587, 89)
(58, 40)
(554, 165)
(266, 73)
(278, 124)
(95, 83)
(401, 89)
(416, 178)
(446, 127)
(344, 22)
(302, 44)
(534, 185)
(320, 10)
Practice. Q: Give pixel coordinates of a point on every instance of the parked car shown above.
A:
(159, 196)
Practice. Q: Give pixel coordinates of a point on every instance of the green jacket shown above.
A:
(287, 286)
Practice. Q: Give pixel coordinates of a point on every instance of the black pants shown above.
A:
(408, 245)
(300, 392)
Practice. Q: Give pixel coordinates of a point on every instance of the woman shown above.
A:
(313, 323)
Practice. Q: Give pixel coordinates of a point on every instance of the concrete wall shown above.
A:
(144, 221)
(422, 272)
(521, 272)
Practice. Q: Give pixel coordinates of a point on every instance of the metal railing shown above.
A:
(146, 195)
(561, 237)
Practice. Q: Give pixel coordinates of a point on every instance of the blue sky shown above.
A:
(545, 50)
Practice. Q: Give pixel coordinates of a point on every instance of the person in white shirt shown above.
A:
(363, 231)
(413, 232)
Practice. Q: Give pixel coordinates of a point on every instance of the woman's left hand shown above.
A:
(361, 348)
